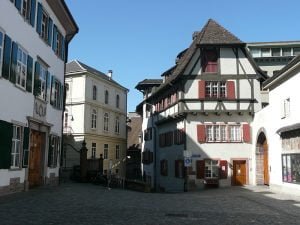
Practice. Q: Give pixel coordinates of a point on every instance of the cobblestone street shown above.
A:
(81, 204)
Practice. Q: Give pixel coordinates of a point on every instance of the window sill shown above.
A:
(15, 169)
(20, 87)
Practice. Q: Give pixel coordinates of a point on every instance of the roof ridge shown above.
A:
(80, 64)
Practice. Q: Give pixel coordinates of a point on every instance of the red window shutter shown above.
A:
(230, 90)
(223, 169)
(246, 132)
(200, 164)
(201, 89)
(201, 133)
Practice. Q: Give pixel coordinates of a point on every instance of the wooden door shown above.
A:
(35, 165)
(266, 163)
(239, 172)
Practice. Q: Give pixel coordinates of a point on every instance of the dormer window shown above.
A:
(210, 61)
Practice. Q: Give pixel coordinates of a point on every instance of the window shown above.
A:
(291, 168)
(296, 51)
(285, 108)
(179, 168)
(117, 125)
(94, 119)
(147, 157)
(40, 85)
(44, 26)
(117, 151)
(211, 168)
(105, 150)
(255, 52)
(234, 133)
(215, 89)
(56, 92)
(148, 134)
(53, 150)
(94, 92)
(179, 136)
(16, 146)
(66, 119)
(275, 51)
(210, 61)
(265, 52)
(59, 44)
(94, 148)
(106, 97)
(166, 139)
(286, 51)
(164, 167)
(26, 9)
(106, 122)
(21, 72)
(118, 101)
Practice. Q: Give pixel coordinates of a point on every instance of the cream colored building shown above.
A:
(96, 108)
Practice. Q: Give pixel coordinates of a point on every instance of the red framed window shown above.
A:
(210, 61)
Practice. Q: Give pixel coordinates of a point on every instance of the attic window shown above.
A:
(210, 61)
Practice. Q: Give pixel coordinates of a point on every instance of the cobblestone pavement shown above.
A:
(82, 204)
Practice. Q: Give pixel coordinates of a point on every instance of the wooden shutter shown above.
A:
(18, 4)
(201, 133)
(50, 152)
(200, 167)
(6, 57)
(6, 134)
(39, 18)
(13, 67)
(223, 170)
(54, 44)
(32, 12)
(230, 90)
(61, 98)
(25, 147)
(37, 82)
(29, 74)
(246, 133)
(201, 89)
(63, 48)
(50, 28)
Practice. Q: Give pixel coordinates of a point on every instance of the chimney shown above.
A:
(109, 74)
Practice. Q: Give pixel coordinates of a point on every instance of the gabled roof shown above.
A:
(148, 83)
(76, 66)
(282, 73)
(211, 34)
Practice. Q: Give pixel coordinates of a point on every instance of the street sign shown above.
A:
(187, 162)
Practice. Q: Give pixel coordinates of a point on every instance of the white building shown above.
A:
(203, 114)
(34, 38)
(276, 132)
(96, 110)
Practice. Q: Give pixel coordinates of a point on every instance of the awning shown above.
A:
(293, 127)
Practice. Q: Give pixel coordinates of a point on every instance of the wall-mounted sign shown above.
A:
(39, 109)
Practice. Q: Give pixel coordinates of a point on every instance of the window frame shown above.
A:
(45, 25)
(94, 92)
(105, 151)
(26, 12)
(215, 89)
(17, 146)
(94, 119)
(211, 169)
(209, 61)
(94, 150)
(117, 125)
(106, 122)
(117, 151)
(118, 101)
(106, 97)
(55, 143)
(43, 73)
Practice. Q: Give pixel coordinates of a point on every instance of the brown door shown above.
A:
(239, 172)
(266, 163)
(35, 165)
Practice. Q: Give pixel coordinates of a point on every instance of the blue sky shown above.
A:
(140, 39)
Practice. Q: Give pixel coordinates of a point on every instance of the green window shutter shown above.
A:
(13, 67)
(25, 147)
(32, 12)
(39, 19)
(18, 4)
(6, 134)
(37, 82)
(50, 28)
(6, 57)
(50, 151)
(62, 54)
(29, 74)
(54, 44)
(52, 92)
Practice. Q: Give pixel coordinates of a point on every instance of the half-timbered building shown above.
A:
(34, 38)
(201, 116)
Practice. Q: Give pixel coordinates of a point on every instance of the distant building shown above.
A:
(96, 111)
(34, 39)
(273, 56)
(134, 140)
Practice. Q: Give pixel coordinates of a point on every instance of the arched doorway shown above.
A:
(262, 160)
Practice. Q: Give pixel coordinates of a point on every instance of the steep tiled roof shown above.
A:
(211, 34)
(76, 66)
